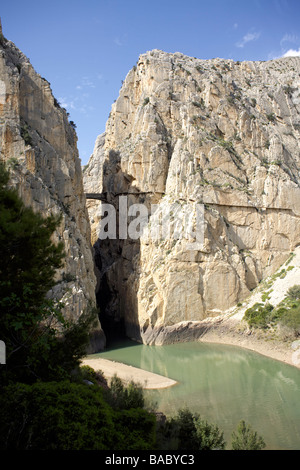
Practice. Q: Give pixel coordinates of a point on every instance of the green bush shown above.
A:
(259, 315)
(199, 104)
(187, 431)
(294, 292)
(13, 163)
(246, 439)
(69, 416)
(54, 416)
(87, 373)
(271, 117)
(26, 135)
(291, 320)
(122, 397)
(135, 430)
(286, 314)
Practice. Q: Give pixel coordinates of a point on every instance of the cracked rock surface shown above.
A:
(182, 132)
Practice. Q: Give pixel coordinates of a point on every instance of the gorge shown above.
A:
(184, 131)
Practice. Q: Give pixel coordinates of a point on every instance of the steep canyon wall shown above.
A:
(186, 131)
(39, 146)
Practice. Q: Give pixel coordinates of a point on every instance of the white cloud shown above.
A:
(292, 38)
(121, 40)
(286, 49)
(118, 42)
(292, 53)
(87, 82)
(81, 99)
(65, 103)
(248, 38)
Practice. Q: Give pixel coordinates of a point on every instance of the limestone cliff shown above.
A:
(215, 132)
(40, 147)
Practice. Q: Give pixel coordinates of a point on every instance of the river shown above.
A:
(224, 384)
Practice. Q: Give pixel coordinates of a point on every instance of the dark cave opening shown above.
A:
(114, 328)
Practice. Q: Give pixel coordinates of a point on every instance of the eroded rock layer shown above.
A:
(186, 131)
(39, 146)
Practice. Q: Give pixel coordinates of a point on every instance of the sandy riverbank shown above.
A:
(126, 373)
(229, 331)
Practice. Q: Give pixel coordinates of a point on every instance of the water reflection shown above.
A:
(224, 384)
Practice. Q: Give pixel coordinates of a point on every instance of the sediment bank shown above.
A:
(147, 380)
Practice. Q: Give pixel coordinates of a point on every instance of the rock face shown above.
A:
(39, 146)
(183, 131)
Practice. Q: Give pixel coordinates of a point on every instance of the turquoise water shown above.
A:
(224, 384)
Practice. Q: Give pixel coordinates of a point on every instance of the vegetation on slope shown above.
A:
(284, 317)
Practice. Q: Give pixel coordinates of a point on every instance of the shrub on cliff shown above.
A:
(285, 316)
(290, 322)
(259, 316)
(294, 292)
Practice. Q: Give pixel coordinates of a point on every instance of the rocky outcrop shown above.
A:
(182, 132)
(40, 147)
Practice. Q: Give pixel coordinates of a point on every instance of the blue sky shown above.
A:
(86, 48)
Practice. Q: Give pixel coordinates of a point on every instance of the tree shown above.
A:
(187, 431)
(69, 416)
(28, 255)
(123, 397)
(29, 321)
(209, 435)
(246, 439)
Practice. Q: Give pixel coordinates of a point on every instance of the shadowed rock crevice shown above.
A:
(117, 314)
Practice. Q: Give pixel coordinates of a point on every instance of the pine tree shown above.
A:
(246, 439)
(29, 321)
